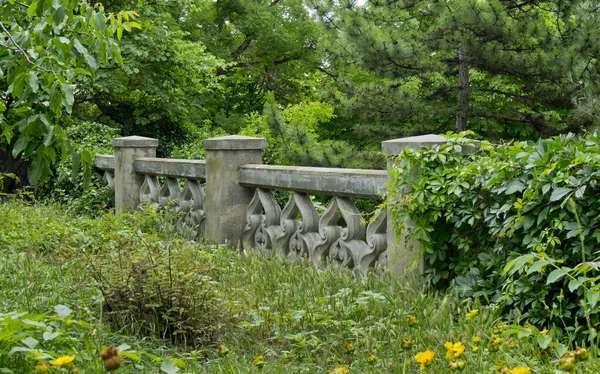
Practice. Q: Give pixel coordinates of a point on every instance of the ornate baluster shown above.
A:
(150, 189)
(298, 237)
(109, 178)
(349, 249)
(376, 240)
(191, 202)
(262, 217)
(170, 191)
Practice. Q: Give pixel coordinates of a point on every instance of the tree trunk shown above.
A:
(10, 165)
(463, 90)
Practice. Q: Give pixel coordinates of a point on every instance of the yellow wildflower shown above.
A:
(476, 339)
(544, 331)
(499, 327)
(42, 367)
(494, 343)
(520, 370)
(454, 350)
(424, 358)
(62, 361)
(411, 320)
(472, 314)
(371, 358)
(258, 362)
(339, 370)
(348, 348)
(222, 350)
(511, 343)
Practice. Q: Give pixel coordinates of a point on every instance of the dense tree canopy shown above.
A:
(328, 77)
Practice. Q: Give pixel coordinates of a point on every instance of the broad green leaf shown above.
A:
(30, 342)
(62, 311)
(75, 163)
(59, 15)
(168, 366)
(49, 336)
(69, 98)
(514, 185)
(49, 136)
(543, 341)
(32, 8)
(36, 170)
(557, 275)
(100, 22)
(33, 81)
(575, 284)
(559, 193)
(19, 146)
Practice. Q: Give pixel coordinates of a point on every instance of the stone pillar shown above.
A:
(404, 256)
(226, 199)
(127, 181)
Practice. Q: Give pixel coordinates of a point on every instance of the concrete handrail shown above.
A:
(105, 162)
(170, 167)
(356, 183)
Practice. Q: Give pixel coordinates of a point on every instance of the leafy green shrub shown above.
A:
(475, 212)
(153, 287)
(69, 185)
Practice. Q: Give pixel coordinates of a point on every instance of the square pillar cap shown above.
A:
(234, 143)
(135, 142)
(395, 146)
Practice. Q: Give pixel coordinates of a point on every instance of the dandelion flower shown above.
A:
(339, 370)
(411, 320)
(222, 350)
(519, 370)
(62, 361)
(258, 362)
(472, 314)
(424, 358)
(371, 358)
(454, 350)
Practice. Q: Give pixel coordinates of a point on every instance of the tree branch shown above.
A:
(15, 44)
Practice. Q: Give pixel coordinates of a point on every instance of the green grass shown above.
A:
(301, 319)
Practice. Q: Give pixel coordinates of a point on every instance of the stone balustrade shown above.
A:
(236, 205)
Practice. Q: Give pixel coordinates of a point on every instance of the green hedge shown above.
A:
(508, 223)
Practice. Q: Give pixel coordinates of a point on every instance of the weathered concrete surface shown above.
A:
(127, 181)
(170, 167)
(104, 162)
(360, 183)
(226, 199)
(235, 142)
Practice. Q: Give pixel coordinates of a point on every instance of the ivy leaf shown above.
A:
(514, 185)
(559, 193)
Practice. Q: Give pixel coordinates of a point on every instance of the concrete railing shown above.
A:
(236, 205)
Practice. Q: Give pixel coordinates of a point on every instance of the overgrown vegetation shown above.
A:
(514, 224)
(285, 317)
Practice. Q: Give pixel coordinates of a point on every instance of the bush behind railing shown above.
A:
(508, 223)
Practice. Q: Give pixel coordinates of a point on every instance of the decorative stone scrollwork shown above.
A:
(262, 217)
(339, 236)
(299, 226)
(170, 191)
(191, 202)
(150, 189)
(109, 178)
